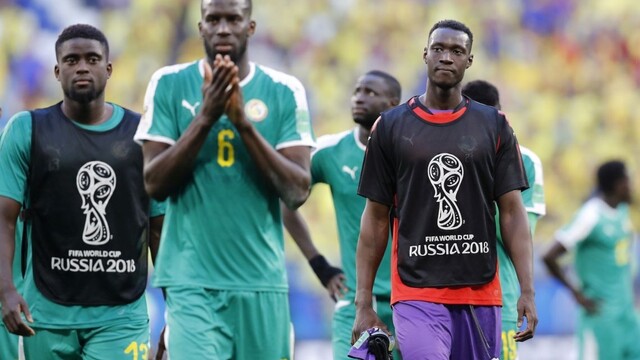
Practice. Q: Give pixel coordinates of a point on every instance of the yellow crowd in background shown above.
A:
(568, 71)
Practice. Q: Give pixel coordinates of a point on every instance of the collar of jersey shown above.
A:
(109, 124)
(243, 82)
(607, 210)
(423, 113)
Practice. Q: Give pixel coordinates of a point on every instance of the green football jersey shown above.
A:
(533, 199)
(15, 154)
(602, 238)
(337, 162)
(223, 229)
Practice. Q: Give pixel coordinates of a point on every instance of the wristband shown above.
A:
(323, 270)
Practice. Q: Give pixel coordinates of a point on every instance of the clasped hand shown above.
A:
(221, 92)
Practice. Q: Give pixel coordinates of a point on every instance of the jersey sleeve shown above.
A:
(157, 208)
(158, 119)
(317, 166)
(295, 127)
(533, 222)
(322, 155)
(579, 228)
(509, 173)
(533, 197)
(377, 179)
(15, 154)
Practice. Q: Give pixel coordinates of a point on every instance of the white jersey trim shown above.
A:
(157, 138)
(327, 141)
(291, 82)
(142, 133)
(21, 355)
(299, 96)
(243, 82)
(249, 77)
(583, 224)
(537, 208)
(302, 142)
(537, 163)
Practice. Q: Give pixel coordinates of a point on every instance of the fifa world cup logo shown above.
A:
(446, 173)
(96, 183)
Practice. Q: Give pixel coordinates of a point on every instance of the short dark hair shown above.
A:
(455, 25)
(395, 90)
(608, 175)
(248, 2)
(82, 31)
(483, 92)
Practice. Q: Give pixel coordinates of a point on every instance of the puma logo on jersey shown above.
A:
(350, 171)
(408, 139)
(191, 108)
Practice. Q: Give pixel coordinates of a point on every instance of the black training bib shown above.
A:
(442, 173)
(89, 211)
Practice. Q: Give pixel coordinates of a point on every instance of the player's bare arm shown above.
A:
(550, 259)
(12, 303)
(299, 231)
(166, 167)
(155, 230)
(287, 170)
(517, 240)
(374, 234)
(332, 278)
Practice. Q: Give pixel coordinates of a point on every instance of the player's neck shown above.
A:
(243, 68)
(441, 99)
(611, 200)
(91, 113)
(363, 134)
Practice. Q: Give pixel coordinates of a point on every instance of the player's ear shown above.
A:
(109, 69)
(56, 72)
(424, 54)
(252, 28)
(469, 61)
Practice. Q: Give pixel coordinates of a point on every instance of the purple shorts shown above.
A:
(430, 331)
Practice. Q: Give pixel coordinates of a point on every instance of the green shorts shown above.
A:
(223, 324)
(113, 342)
(343, 317)
(509, 349)
(8, 344)
(610, 337)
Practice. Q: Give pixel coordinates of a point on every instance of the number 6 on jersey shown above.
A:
(226, 156)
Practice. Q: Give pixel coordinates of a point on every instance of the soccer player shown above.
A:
(337, 161)
(225, 139)
(9, 343)
(600, 234)
(440, 161)
(76, 172)
(533, 199)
